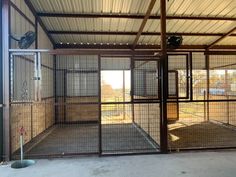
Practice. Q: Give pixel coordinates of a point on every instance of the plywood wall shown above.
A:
(34, 118)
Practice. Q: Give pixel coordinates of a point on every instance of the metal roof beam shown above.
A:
(145, 19)
(131, 16)
(132, 33)
(151, 47)
(222, 38)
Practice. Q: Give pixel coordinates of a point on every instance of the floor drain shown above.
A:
(22, 164)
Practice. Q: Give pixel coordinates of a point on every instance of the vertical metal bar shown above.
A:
(164, 80)
(228, 115)
(35, 78)
(55, 88)
(123, 94)
(1, 85)
(204, 105)
(208, 85)
(6, 79)
(132, 86)
(100, 107)
(191, 75)
(39, 76)
(65, 93)
(11, 77)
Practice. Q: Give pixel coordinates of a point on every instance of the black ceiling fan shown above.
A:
(26, 40)
(174, 42)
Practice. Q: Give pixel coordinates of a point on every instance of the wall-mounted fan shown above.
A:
(174, 42)
(26, 40)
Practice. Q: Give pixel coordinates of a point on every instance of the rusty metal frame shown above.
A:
(188, 74)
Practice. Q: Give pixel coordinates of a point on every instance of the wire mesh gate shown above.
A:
(206, 112)
(72, 105)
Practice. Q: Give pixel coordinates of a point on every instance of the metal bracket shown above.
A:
(2, 105)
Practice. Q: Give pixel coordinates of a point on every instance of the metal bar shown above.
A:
(139, 46)
(145, 19)
(28, 50)
(164, 80)
(100, 107)
(222, 38)
(65, 94)
(132, 33)
(132, 87)
(208, 84)
(131, 16)
(99, 52)
(11, 78)
(39, 76)
(35, 78)
(55, 88)
(220, 53)
(123, 90)
(1, 86)
(6, 79)
(191, 74)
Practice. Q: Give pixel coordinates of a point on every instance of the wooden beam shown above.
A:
(132, 16)
(222, 38)
(31, 7)
(132, 33)
(148, 13)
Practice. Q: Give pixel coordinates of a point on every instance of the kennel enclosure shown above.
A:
(101, 77)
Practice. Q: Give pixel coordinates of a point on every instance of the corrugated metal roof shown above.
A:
(93, 6)
(91, 24)
(93, 39)
(211, 8)
(220, 8)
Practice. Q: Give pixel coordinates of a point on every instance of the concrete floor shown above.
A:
(197, 164)
(70, 139)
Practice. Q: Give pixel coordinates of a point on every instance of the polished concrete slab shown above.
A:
(196, 164)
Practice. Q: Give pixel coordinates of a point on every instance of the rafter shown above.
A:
(148, 13)
(131, 16)
(132, 33)
(151, 47)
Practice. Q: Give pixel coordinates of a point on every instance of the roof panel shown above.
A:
(228, 41)
(93, 6)
(91, 24)
(91, 39)
(221, 8)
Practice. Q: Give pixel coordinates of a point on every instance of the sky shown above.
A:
(115, 78)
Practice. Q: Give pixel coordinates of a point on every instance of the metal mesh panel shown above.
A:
(207, 121)
(121, 134)
(145, 79)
